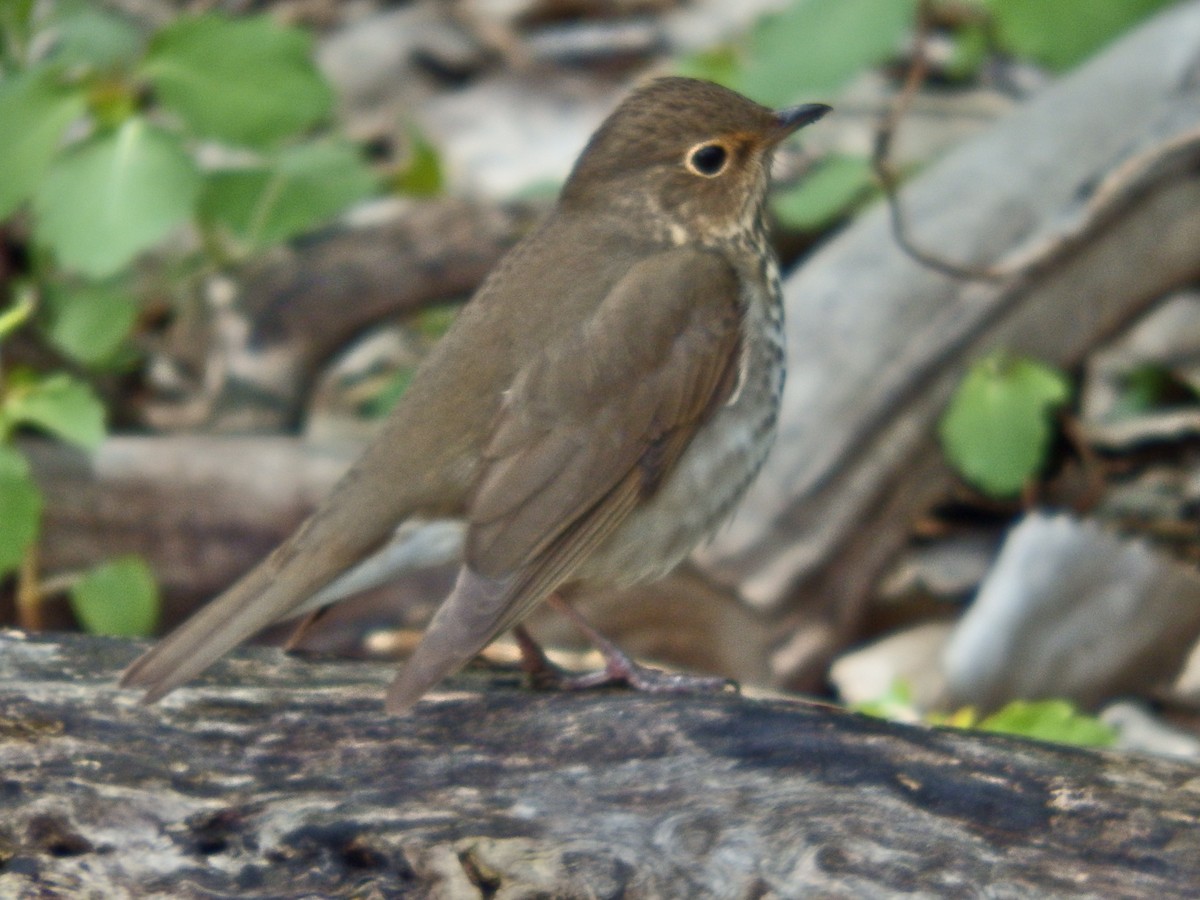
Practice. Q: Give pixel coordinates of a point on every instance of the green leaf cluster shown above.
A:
(101, 138)
(111, 140)
(997, 429)
(1058, 721)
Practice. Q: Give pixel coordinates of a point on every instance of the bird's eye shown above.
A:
(707, 159)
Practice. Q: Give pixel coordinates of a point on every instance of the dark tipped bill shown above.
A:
(796, 117)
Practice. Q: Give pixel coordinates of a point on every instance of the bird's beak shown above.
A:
(794, 118)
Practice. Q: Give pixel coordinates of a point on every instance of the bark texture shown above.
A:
(275, 777)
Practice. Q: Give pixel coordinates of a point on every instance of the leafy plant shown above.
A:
(997, 429)
(1058, 721)
(1050, 720)
(112, 141)
(833, 188)
(1064, 33)
(809, 51)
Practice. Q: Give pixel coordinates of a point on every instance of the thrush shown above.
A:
(594, 412)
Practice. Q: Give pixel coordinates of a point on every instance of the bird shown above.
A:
(594, 412)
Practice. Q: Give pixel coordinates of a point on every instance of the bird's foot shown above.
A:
(618, 669)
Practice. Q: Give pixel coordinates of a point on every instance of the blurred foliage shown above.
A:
(807, 51)
(421, 175)
(22, 505)
(1057, 721)
(997, 429)
(1050, 720)
(1152, 386)
(835, 186)
(111, 142)
(119, 597)
(811, 49)
(1063, 33)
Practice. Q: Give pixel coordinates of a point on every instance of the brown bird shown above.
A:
(594, 412)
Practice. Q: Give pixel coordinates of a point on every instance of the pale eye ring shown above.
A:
(707, 160)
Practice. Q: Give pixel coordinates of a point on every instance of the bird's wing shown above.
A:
(589, 428)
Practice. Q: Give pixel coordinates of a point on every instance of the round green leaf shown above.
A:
(21, 506)
(61, 405)
(302, 188)
(35, 109)
(836, 185)
(90, 322)
(996, 430)
(114, 197)
(249, 81)
(119, 597)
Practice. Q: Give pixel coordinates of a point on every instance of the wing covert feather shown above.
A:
(597, 408)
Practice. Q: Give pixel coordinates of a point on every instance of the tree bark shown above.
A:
(275, 777)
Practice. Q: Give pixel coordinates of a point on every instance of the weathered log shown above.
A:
(274, 777)
(200, 510)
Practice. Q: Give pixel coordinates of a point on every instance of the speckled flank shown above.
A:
(723, 459)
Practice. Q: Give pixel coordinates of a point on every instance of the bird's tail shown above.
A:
(477, 610)
(272, 591)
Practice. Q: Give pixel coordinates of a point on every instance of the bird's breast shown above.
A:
(720, 462)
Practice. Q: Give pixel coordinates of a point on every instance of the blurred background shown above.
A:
(229, 232)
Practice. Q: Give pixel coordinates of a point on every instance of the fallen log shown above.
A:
(273, 777)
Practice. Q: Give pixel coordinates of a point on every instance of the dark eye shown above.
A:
(707, 159)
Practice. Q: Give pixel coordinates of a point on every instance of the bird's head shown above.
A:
(691, 156)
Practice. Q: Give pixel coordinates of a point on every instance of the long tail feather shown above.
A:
(266, 595)
(476, 611)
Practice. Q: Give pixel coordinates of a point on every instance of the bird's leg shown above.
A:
(543, 674)
(618, 667)
(296, 638)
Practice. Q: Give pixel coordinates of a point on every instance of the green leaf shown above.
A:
(435, 321)
(1063, 33)
(969, 51)
(1050, 720)
(996, 430)
(1150, 386)
(90, 322)
(21, 503)
(381, 403)
(422, 176)
(94, 38)
(35, 109)
(58, 404)
(119, 597)
(303, 187)
(115, 196)
(23, 305)
(896, 703)
(248, 81)
(836, 185)
(808, 50)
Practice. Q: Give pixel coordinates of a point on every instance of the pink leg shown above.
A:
(618, 667)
